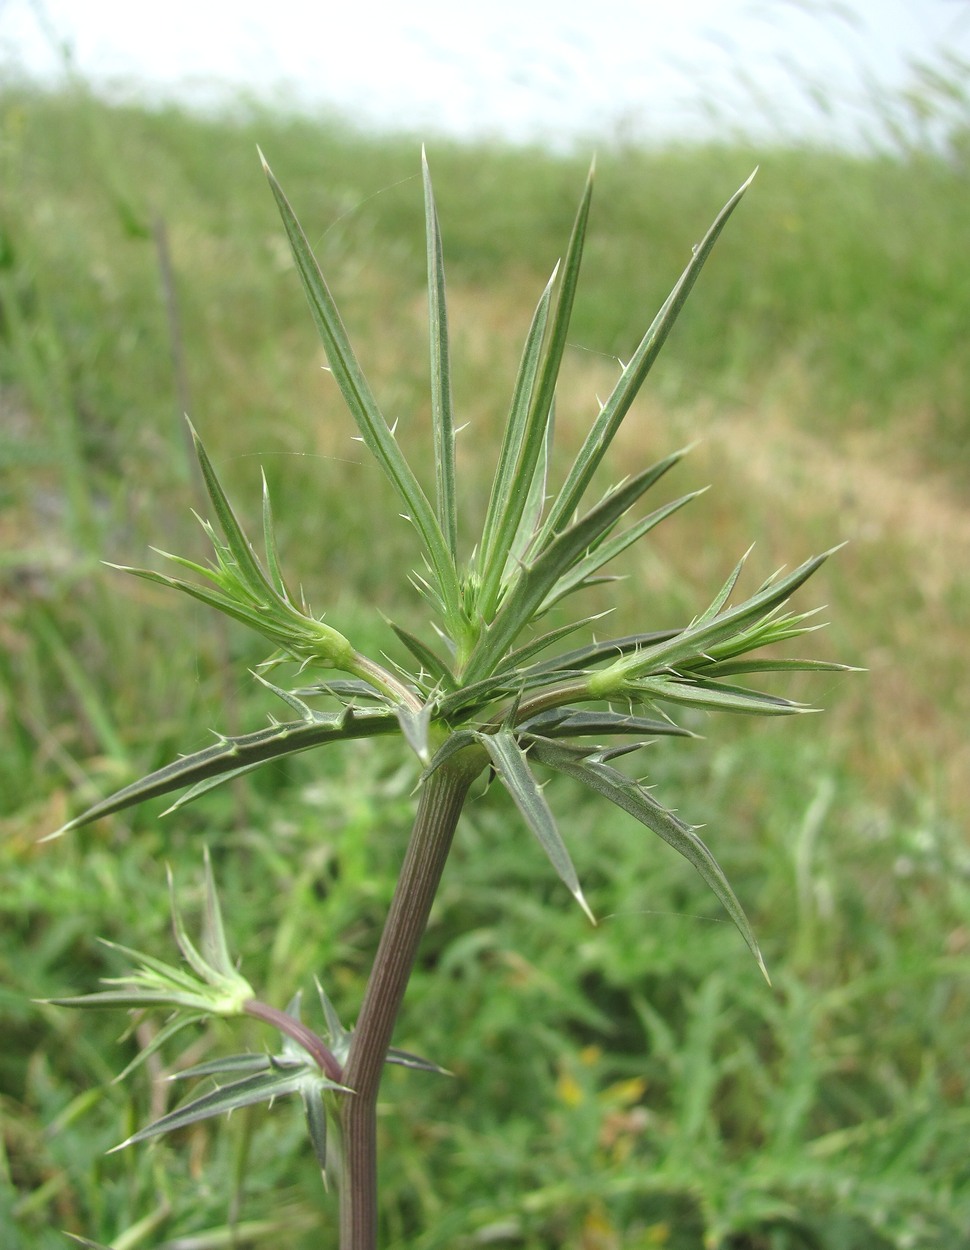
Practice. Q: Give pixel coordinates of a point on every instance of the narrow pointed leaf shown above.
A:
(730, 668)
(724, 594)
(203, 787)
(248, 1064)
(521, 656)
(714, 696)
(429, 660)
(608, 649)
(634, 799)
(540, 406)
(538, 579)
(534, 505)
(193, 958)
(582, 573)
(347, 692)
(247, 566)
(160, 1039)
(697, 639)
(291, 699)
(441, 401)
(414, 728)
(405, 1059)
(632, 378)
(316, 1122)
(245, 752)
(261, 1087)
(568, 722)
(269, 543)
(460, 740)
(374, 429)
(335, 1030)
(212, 598)
(505, 483)
(215, 948)
(511, 767)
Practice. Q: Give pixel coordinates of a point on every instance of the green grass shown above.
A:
(634, 1085)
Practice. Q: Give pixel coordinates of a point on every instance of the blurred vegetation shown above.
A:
(634, 1085)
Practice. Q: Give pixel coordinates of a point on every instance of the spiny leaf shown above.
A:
(697, 640)
(568, 722)
(730, 668)
(712, 696)
(443, 423)
(609, 649)
(261, 1087)
(374, 429)
(428, 659)
(581, 574)
(540, 409)
(316, 1122)
(632, 378)
(509, 761)
(246, 564)
(517, 659)
(639, 803)
(505, 483)
(245, 752)
(537, 580)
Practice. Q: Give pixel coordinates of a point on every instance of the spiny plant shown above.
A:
(491, 691)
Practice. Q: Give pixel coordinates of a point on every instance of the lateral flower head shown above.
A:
(244, 590)
(211, 986)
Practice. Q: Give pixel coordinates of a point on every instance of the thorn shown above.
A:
(581, 900)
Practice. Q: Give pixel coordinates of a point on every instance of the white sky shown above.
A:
(552, 70)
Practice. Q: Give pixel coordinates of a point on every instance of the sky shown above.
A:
(554, 71)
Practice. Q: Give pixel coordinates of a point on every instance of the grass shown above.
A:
(820, 362)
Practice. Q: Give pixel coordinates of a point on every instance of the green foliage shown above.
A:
(831, 1109)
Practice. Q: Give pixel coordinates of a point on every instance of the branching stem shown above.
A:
(442, 798)
(313, 1044)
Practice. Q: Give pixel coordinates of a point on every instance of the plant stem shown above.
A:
(442, 798)
(314, 1046)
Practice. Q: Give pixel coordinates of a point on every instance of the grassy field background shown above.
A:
(633, 1086)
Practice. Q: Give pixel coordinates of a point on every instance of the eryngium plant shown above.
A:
(491, 690)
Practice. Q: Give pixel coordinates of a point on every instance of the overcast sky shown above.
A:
(553, 70)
